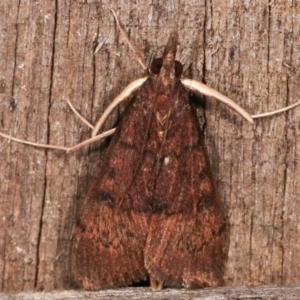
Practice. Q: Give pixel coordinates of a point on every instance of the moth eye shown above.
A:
(178, 68)
(156, 65)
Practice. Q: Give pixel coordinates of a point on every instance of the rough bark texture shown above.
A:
(248, 50)
(225, 293)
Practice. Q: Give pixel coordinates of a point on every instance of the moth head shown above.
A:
(167, 67)
(157, 65)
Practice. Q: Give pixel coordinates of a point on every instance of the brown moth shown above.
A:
(153, 211)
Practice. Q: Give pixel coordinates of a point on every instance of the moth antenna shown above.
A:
(79, 115)
(124, 94)
(91, 140)
(274, 112)
(45, 146)
(205, 90)
(136, 53)
(130, 88)
(67, 149)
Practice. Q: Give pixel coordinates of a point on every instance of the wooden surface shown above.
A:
(248, 50)
(228, 293)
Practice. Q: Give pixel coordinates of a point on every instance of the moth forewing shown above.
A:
(153, 211)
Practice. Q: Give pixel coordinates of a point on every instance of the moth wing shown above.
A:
(107, 248)
(186, 241)
(112, 224)
(187, 248)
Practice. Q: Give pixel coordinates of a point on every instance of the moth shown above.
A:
(153, 212)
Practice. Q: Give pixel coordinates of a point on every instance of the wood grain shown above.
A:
(225, 293)
(248, 51)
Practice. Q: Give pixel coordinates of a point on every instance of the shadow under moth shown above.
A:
(153, 211)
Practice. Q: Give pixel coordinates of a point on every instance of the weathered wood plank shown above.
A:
(228, 293)
(247, 50)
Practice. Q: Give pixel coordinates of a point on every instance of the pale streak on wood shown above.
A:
(130, 88)
(99, 46)
(208, 91)
(223, 293)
